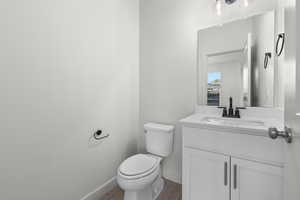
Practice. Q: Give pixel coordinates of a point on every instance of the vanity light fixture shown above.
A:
(219, 7)
(219, 3)
(230, 1)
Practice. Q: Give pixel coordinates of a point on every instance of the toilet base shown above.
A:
(157, 187)
(149, 193)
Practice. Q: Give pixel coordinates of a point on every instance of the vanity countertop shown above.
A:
(252, 121)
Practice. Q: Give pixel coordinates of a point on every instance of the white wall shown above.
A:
(279, 92)
(168, 60)
(68, 67)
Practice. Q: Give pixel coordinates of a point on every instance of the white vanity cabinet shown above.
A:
(252, 180)
(219, 165)
(205, 175)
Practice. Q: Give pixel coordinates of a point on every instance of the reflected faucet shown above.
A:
(230, 110)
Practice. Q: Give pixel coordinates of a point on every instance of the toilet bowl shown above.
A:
(140, 175)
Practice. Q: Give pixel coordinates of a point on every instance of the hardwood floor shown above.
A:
(172, 191)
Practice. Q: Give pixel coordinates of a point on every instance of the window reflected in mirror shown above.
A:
(213, 88)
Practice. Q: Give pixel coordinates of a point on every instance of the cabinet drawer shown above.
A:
(256, 148)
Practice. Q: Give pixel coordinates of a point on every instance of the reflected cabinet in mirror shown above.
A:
(236, 60)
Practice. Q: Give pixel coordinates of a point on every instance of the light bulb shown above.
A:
(219, 7)
(246, 3)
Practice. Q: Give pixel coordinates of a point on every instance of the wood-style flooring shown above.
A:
(172, 191)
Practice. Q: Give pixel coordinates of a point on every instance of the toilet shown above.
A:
(140, 175)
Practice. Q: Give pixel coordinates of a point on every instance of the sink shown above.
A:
(232, 122)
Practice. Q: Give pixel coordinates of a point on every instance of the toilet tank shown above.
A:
(159, 139)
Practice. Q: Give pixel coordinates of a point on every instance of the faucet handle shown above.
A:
(241, 108)
(224, 111)
(237, 111)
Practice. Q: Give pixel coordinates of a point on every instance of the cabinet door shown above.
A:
(205, 175)
(252, 180)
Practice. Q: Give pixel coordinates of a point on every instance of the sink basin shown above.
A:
(232, 122)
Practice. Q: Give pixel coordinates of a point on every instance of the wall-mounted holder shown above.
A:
(268, 56)
(280, 44)
(98, 135)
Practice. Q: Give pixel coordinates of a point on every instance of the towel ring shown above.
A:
(279, 49)
(268, 56)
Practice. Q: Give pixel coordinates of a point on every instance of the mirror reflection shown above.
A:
(236, 60)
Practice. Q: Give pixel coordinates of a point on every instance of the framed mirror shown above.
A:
(236, 59)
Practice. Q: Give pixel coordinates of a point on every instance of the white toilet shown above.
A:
(140, 175)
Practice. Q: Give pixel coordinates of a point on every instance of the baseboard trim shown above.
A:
(174, 177)
(101, 191)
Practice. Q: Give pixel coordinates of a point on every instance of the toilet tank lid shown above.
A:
(158, 127)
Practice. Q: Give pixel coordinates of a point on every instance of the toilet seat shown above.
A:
(139, 166)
